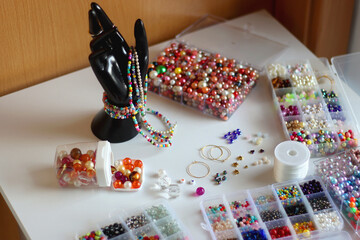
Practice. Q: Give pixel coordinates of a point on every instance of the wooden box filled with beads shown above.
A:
(211, 66)
(289, 210)
(151, 222)
(313, 107)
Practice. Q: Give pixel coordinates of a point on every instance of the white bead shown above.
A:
(153, 74)
(137, 169)
(127, 185)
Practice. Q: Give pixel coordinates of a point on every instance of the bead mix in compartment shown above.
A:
(209, 82)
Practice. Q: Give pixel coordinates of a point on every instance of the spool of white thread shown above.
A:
(291, 161)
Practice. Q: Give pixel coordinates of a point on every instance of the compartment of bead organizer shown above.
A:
(281, 229)
(263, 195)
(270, 212)
(304, 225)
(156, 221)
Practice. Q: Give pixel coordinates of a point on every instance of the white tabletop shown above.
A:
(37, 119)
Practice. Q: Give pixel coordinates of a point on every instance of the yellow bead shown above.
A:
(177, 70)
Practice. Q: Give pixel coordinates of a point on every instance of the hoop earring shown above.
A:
(188, 168)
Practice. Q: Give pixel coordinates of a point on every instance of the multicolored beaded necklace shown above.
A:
(156, 138)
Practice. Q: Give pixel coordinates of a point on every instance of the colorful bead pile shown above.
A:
(231, 136)
(326, 94)
(216, 209)
(94, 235)
(239, 204)
(328, 221)
(128, 174)
(310, 187)
(310, 94)
(288, 192)
(324, 136)
(220, 222)
(343, 179)
(212, 83)
(301, 136)
(291, 110)
(304, 228)
(347, 138)
(76, 168)
(279, 232)
(299, 69)
(113, 230)
(145, 237)
(243, 220)
(295, 125)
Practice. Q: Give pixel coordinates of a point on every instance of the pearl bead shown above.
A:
(153, 74)
(127, 185)
(137, 169)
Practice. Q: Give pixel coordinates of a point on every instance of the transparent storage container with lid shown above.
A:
(211, 66)
(84, 164)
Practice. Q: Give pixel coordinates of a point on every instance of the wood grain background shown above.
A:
(43, 39)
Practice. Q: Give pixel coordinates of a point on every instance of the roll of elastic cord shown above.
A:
(291, 161)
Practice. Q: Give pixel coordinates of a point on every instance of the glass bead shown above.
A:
(75, 153)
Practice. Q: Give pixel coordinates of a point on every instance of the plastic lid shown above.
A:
(216, 35)
(347, 68)
(104, 158)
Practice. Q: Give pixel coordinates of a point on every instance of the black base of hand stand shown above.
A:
(113, 130)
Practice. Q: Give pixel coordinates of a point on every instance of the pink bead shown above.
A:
(200, 191)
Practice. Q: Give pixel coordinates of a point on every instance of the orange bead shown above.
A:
(138, 163)
(74, 174)
(136, 184)
(117, 184)
(84, 157)
(127, 161)
(77, 167)
(91, 173)
(352, 204)
(129, 166)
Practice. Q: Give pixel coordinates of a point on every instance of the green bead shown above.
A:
(161, 69)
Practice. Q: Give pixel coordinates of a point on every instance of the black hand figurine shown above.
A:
(109, 61)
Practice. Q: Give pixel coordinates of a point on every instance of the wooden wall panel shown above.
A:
(322, 25)
(44, 39)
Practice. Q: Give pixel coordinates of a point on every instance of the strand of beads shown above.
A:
(115, 111)
(157, 139)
